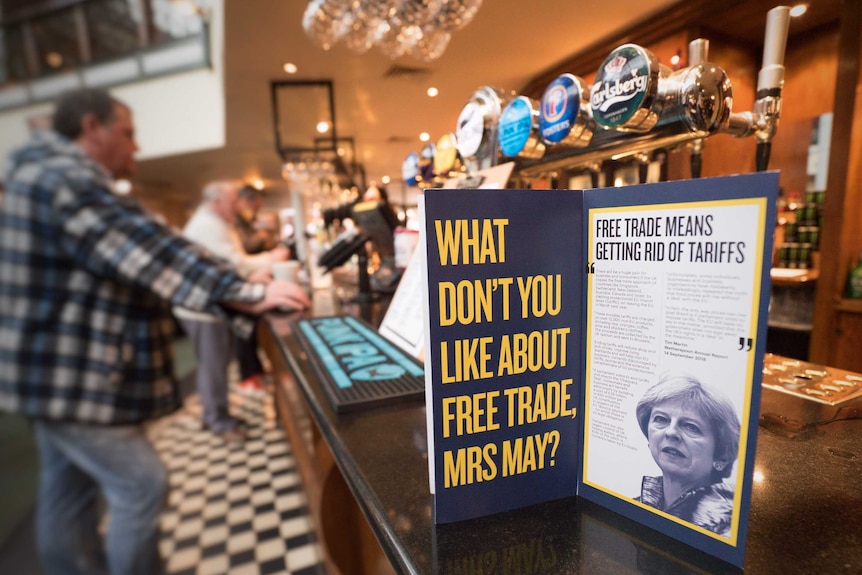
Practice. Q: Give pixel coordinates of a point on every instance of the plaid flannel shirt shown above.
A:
(87, 279)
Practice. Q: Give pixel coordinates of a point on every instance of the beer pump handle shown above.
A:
(698, 53)
(770, 79)
(771, 75)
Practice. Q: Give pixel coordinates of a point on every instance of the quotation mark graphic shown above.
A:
(591, 268)
(743, 342)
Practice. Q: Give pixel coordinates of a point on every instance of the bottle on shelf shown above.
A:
(854, 281)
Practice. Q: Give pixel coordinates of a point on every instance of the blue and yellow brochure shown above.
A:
(605, 344)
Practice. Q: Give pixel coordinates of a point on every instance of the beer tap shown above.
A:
(477, 128)
(595, 169)
(696, 159)
(770, 80)
(639, 106)
(642, 160)
(762, 122)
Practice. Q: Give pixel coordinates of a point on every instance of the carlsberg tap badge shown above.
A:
(622, 86)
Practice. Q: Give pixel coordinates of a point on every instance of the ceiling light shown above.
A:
(256, 183)
(432, 91)
(798, 10)
(424, 136)
(674, 60)
(54, 59)
(385, 179)
(290, 68)
(323, 127)
(418, 28)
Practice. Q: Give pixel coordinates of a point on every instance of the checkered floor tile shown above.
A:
(234, 508)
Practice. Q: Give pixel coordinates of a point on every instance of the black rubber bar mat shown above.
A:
(357, 367)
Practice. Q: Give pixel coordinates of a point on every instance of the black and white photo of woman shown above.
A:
(693, 435)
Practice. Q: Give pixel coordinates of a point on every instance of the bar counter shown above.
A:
(366, 473)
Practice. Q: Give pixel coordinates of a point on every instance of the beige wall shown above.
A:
(174, 114)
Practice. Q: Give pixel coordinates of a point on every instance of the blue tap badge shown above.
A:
(426, 161)
(560, 105)
(410, 169)
(516, 121)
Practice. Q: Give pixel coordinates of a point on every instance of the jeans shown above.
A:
(79, 463)
(213, 343)
(246, 355)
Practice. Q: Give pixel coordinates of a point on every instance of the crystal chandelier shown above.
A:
(418, 28)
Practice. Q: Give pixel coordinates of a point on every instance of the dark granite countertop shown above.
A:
(806, 511)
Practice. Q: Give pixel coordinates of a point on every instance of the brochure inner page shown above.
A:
(676, 303)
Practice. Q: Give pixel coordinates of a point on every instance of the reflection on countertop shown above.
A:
(804, 515)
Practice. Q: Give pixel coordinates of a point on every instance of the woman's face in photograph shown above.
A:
(682, 442)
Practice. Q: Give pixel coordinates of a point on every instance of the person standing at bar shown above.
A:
(212, 227)
(86, 283)
(254, 241)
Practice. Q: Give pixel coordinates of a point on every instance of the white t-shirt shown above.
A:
(207, 229)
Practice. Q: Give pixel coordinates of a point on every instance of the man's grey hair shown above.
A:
(73, 105)
(214, 190)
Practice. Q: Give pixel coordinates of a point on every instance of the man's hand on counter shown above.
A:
(284, 294)
(260, 276)
(279, 294)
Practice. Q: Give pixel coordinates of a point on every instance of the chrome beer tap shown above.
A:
(770, 80)
(762, 122)
(639, 106)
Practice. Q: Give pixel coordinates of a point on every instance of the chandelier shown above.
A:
(417, 28)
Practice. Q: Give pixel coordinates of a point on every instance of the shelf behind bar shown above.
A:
(849, 305)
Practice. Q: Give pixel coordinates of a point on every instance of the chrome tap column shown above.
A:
(698, 53)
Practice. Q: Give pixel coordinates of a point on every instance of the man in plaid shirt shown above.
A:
(87, 280)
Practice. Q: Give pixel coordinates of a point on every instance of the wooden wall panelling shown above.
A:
(348, 544)
(293, 417)
(841, 236)
(811, 67)
(822, 74)
(175, 208)
(848, 341)
(735, 31)
(684, 15)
